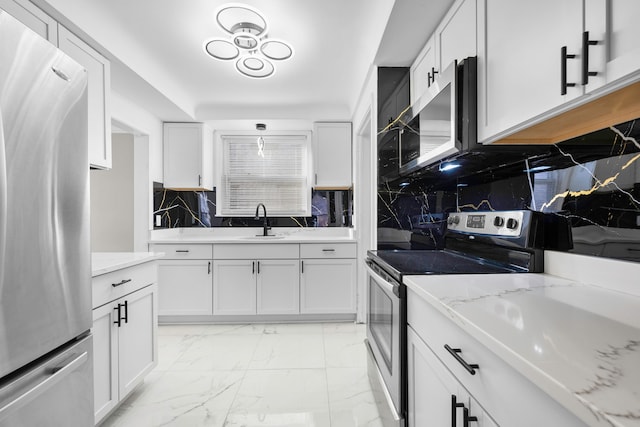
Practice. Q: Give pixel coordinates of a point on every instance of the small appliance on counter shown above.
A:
(46, 375)
(497, 242)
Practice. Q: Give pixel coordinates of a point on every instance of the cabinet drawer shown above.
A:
(257, 251)
(184, 251)
(507, 395)
(328, 250)
(111, 286)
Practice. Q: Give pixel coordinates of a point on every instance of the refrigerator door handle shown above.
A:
(55, 375)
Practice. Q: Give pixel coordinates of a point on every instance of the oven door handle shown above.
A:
(388, 283)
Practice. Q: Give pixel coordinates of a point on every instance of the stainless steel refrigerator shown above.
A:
(45, 272)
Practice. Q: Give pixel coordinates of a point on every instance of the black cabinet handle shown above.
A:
(454, 409)
(118, 316)
(199, 180)
(585, 58)
(253, 267)
(258, 267)
(126, 312)
(328, 250)
(431, 76)
(563, 70)
(209, 267)
(115, 285)
(466, 418)
(471, 368)
(302, 267)
(182, 251)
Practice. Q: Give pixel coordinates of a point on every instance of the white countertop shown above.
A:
(579, 343)
(253, 235)
(106, 262)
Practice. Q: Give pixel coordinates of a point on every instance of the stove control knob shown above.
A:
(450, 220)
(512, 223)
(498, 221)
(456, 220)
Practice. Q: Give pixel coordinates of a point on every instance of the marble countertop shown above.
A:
(106, 262)
(253, 235)
(579, 343)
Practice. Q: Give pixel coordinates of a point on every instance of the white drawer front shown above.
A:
(184, 251)
(327, 250)
(257, 251)
(111, 286)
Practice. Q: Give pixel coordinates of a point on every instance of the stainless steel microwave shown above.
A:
(443, 122)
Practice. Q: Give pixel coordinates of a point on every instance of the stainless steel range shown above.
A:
(475, 243)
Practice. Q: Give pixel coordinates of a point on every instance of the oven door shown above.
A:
(384, 338)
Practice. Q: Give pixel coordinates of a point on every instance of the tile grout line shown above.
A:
(244, 375)
(326, 374)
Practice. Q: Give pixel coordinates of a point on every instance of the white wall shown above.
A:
(140, 122)
(364, 172)
(146, 131)
(112, 200)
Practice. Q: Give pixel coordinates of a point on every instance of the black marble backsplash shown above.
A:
(593, 180)
(198, 208)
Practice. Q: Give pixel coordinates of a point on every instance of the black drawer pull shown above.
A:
(328, 250)
(471, 368)
(182, 251)
(115, 285)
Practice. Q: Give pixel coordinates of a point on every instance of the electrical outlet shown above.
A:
(638, 220)
(158, 220)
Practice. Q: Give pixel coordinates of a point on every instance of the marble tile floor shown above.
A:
(275, 375)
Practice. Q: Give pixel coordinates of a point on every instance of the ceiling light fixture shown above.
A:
(248, 44)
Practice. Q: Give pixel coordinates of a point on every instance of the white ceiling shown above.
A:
(156, 49)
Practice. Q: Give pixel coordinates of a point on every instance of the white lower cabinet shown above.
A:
(185, 287)
(495, 393)
(256, 287)
(435, 396)
(185, 277)
(124, 346)
(243, 279)
(328, 286)
(328, 278)
(234, 287)
(278, 286)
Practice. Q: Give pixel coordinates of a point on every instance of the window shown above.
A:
(278, 176)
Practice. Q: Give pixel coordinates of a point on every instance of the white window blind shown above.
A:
(279, 178)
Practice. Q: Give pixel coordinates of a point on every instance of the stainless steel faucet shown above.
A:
(265, 224)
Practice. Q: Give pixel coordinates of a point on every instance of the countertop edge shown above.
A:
(244, 241)
(125, 259)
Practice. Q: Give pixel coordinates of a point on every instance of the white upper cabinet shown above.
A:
(456, 35)
(98, 95)
(612, 50)
(453, 40)
(188, 156)
(422, 69)
(332, 155)
(520, 72)
(537, 60)
(34, 18)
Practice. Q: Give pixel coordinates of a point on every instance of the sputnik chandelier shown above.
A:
(247, 43)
